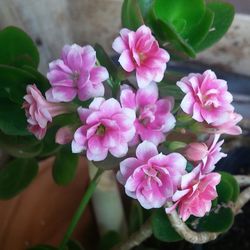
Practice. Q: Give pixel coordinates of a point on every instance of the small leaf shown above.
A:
(219, 221)
(135, 217)
(109, 240)
(131, 15)
(225, 191)
(64, 168)
(223, 17)
(17, 48)
(162, 228)
(226, 177)
(16, 176)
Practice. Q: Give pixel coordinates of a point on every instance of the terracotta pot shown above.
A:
(42, 212)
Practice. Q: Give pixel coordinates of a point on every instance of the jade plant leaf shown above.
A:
(223, 17)
(65, 165)
(17, 48)
(16, 175)
(162, 228)
(131, 14)
(217, 221)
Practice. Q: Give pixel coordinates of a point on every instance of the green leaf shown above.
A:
(50, 147)
(162, 228)
(17, 48)
(14, 82)
(43, 247)
(12, 118)
(16, 176)
(21, 146)
(135, 217)
(201, 30)
(223, 17)
(64, 168)
(219, 221)
(145, 7)
(234, 186)
(225, 191)
(181, 15)
(109, 240)
(131, 15)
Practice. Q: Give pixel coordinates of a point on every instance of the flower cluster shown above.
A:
(139, 120)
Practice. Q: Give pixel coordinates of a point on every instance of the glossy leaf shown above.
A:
(223, 17)
(16, 176)
(131, 15)
(162, 228)
(12, 118)
(65, 165)
(219, 221)
(17, 48)
(21, 146)
(225, 191)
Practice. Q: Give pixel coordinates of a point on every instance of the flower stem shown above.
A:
(88, 194)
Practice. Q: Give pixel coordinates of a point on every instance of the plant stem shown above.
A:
(88, 194)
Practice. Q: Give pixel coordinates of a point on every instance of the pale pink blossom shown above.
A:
(39, 111)
(150, 177)
(154, 118)
(226, 124)
(75, 74)
(64, 135)
(207, 98)
(207, 154)
(196, 194)
(140, 52)
(107, 128)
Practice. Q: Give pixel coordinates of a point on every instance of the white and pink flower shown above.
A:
(107, 128)
(154, 118)
(140, 52)
(75, 74)
(207, 154)
(39, 111)
(152, 178)
(196, 194)
(207, 98)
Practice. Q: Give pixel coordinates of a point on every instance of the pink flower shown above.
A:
(207, 98)
(75, 74)
(197, 192)
(107, 128)
(226, 124)
(152, 178)
(140, 51)
(39, 111)
(208, 153)
(64, 135)
(153, 116)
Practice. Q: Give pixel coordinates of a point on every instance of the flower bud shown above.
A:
(196, 151)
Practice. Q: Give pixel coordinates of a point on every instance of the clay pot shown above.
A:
(42, 212)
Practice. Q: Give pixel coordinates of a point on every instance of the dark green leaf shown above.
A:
(145, 7)
(223, 17)
(16, 176)
(12, 118)
(14, 82)
(131, 15)
(17, 48)
(21, 146)
(64, 168)
(109, 240)
(226, 177)
(219, 221)
(162, 228)
(225, 191)
(74, 245)
(135, 217)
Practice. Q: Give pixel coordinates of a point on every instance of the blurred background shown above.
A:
(53, 23)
